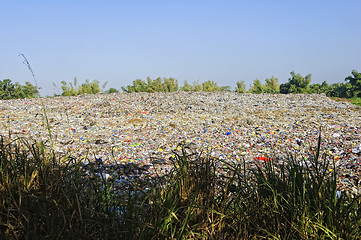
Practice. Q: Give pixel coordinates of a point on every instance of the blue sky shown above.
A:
(223, 41)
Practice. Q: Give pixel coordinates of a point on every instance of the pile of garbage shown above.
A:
(138, 129)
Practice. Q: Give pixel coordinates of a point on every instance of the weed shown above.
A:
(47, 196)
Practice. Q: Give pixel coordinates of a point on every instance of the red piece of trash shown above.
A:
(265, 159)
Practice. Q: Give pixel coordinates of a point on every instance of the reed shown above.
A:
(43, 195)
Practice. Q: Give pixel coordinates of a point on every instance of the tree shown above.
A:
(210, 86)
(320, 88)
(296, 84)
(272, 85)
(355, 81)
(341, 90)
(72, 89)
(30, 90)
(186, 87)
(196, 86)
(112, 90)
(171, 84)
(156, 85)
(6, 89)
(68, 88)
(240, 87)
(257, 87)
(138, 86)
(9, 90)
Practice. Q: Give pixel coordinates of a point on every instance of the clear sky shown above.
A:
(199, 40)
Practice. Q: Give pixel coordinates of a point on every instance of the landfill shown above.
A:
(144, 129)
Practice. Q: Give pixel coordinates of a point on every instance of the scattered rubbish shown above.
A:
(144, 128)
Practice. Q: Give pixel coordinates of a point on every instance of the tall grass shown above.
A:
(41, 198)
(45, 196)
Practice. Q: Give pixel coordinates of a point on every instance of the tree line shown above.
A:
(171, 85)
(73, 89)
(297, 83)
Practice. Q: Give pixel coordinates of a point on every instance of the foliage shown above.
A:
(342, 90)
(43, 195)
(197, 86)
(240, 87)
(211, 86)
(156, 85)
(187, 87)
(296, 84)
(72, 89)
(356, 101)
(320, 88)
(112, 90)
(257, 87)
(9, 90)
(271, 86)
(171, 85)
(355, 81)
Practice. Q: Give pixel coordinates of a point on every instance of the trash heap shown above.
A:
(144, 129)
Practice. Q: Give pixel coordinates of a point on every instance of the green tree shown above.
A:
(149, 85)
(30, 90)
(196, 86)
(68, 88)
(257, 87)
(320, 88)
(72, 89)
(6, 89)
(186, 87)
(355, 81)
(272, 85)
(156, 85)
(296, 84)
(240, 87)
(112, 90)
(171, 84)
(210, 86)
(9, 90)
(342, 90)
(138, 86)
(95, 87)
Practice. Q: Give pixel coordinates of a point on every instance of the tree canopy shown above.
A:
(171, 85)
(355, 83)
(9, 90)
(271, 86)
(351, 88)
(296, 84)
(240, 87)
(72, 88)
